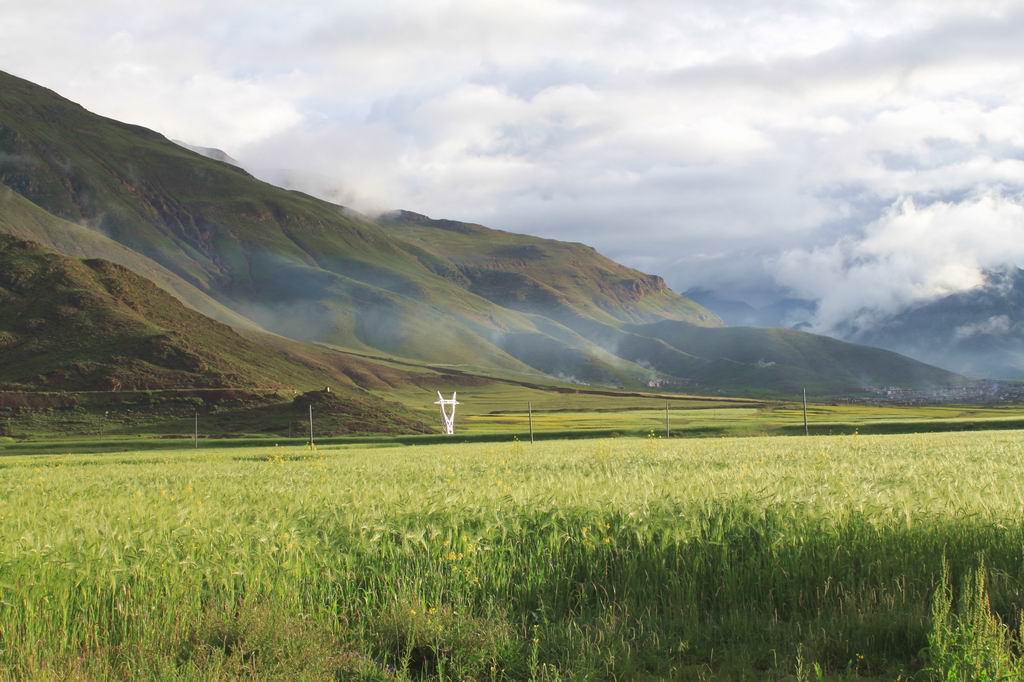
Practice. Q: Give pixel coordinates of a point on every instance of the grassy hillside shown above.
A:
(92, 325)
(784, 360)
(20, 218)
(23, 219)
(294, 264)
(263, 258)
(545, 276)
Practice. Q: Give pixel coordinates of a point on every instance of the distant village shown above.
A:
(983, 391)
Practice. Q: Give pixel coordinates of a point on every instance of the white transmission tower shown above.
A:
(448, 417)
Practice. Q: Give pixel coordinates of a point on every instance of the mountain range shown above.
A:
(978, 332)
(280, 268)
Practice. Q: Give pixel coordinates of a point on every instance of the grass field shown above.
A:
(847, 557)
(490, 410)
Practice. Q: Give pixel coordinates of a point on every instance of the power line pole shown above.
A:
(529, 407)
(447, 419)
(195, 435)
(806, 430)
(311, 426)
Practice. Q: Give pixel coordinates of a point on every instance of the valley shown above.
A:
(561, 341)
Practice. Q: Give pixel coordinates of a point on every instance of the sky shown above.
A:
(868, 156)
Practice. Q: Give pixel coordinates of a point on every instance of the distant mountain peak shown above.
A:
(402, 217)
(210, 153)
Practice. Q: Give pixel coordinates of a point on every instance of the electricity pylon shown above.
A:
(448, 418)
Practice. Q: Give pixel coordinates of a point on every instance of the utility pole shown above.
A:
(311, 426)
(529, 407)
(668, 431)
(806, 430)
(195, 435)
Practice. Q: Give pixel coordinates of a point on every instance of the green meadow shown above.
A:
(490, 411)
(504, 409)
(830, 557)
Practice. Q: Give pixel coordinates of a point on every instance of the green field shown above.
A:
(491, 410)
(498, 408)
(632, 558)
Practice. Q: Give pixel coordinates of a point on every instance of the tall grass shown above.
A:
(846, 557)
(972, 643)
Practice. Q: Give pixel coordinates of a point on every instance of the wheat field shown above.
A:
(847, 557)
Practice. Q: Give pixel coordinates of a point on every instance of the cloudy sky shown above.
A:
(867, 155)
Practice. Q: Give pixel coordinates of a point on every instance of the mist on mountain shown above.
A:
(787, 313)
(978, 333)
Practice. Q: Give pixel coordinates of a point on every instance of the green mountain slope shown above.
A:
(405, 286)
(92, 325)
(784, 360)
(20, 218)
(293, 264)
(562, 280)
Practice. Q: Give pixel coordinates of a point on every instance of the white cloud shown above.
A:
(997, 325)
(699, 140)
(910, 255)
